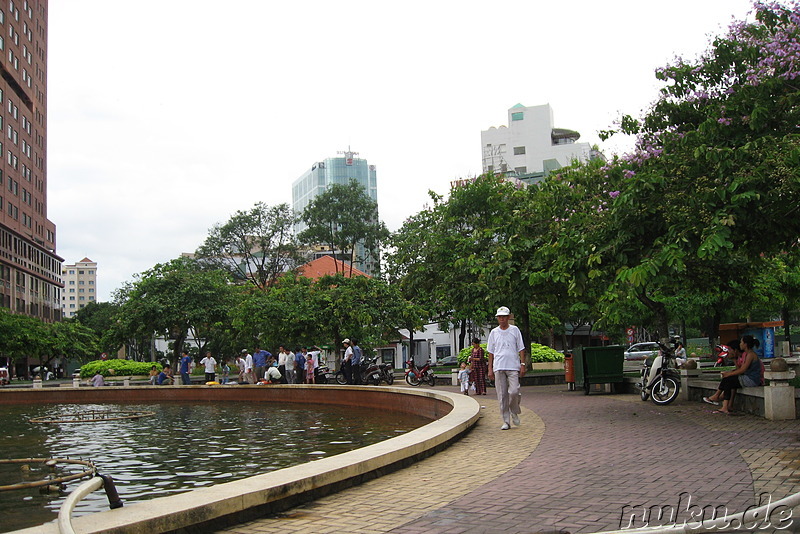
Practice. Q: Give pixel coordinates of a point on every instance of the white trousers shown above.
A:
(507, 385)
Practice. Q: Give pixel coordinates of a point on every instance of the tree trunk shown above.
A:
(524, 324)
(462, 333)
(660, 311)
(712, 330)
(786, 327)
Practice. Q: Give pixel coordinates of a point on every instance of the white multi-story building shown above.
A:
(530, 146)
(80, 286)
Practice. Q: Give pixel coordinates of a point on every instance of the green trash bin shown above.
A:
(598, 365)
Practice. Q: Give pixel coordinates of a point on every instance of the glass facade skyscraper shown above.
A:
(339, 170)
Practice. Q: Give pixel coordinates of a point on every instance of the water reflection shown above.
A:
(181, 447)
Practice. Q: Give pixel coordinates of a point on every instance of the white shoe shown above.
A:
(505, 426)
(515, 418)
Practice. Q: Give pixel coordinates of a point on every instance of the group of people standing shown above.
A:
(352, 361)
(260, 367)
(288, 367)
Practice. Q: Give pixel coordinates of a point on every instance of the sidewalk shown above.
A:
(573, 466)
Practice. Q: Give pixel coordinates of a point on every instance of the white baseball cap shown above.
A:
(502, 310)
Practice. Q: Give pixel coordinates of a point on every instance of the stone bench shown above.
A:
(776, 401)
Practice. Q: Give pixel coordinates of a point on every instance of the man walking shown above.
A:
(506, 361)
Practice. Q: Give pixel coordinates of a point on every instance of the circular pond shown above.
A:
(183, 446)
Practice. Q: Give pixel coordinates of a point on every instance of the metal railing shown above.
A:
(79, 493)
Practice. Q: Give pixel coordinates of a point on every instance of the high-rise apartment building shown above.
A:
(339, 170)
(530, 146)
(80, 286)
(30, 270)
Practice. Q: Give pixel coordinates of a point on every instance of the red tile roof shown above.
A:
(327, 265)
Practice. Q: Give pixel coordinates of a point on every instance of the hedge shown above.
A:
(110, 368)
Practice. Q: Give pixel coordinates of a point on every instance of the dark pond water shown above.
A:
(182, 447)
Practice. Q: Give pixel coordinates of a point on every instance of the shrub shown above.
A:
(543, 353)
(539, 353)
(109, 368)
(466, 352)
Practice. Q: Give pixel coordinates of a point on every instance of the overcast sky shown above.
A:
(167, 116)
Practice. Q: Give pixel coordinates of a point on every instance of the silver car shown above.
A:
(640, 351)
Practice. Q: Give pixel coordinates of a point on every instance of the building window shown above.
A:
(517, 116)
(521, 170)
(519, 150)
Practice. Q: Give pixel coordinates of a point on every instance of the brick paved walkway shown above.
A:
(572, 466)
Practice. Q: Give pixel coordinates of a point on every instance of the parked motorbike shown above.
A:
(371, 372)
(321, 374)
(415, 375)
(387, 372)
(660, 379)
(723, 353)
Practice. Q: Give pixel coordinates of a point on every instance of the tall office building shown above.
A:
(530, 146)
(30, 270)
(80, 286)
(318, 178)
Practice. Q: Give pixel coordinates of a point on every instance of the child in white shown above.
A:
(463, 378)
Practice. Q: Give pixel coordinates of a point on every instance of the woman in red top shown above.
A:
(477, 360)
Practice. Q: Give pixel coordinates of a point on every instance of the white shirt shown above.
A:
(281, 359)
(210, 364)
(288, 361)
(248, 363)
(504, 346)
(315, 357)
(348, 354)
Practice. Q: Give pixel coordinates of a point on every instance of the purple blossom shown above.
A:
(724, 120)
(613, 194)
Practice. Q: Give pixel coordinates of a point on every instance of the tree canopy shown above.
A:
(255, 246)
(342, 218)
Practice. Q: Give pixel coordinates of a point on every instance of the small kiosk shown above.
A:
(764, 332)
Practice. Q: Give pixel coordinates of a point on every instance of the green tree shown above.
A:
(20, 336)
(174, 299)
(465, 256)
(715, 170)
(69, 339)
(99, 317)
(300, 311)
(342, 218)
(256, 245)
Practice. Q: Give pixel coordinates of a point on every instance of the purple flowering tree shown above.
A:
(690, 219)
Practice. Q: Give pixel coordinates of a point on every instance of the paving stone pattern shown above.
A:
(574, 465)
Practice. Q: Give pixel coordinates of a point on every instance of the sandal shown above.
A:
(709, 401)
